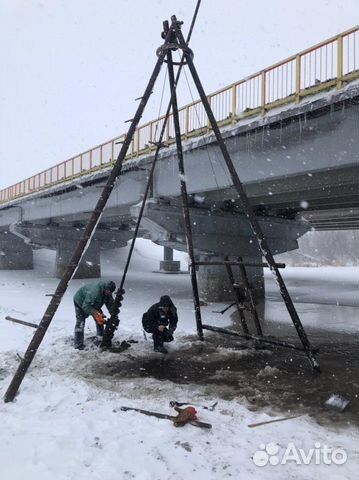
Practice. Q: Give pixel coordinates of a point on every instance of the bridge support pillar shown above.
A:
(90, 265)
(15, 254)
(214, 284)
(168, 264)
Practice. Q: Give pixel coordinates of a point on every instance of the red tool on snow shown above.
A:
(185, 415)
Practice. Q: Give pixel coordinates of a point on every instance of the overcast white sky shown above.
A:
(71, 69)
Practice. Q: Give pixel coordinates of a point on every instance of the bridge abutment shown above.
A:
(15, 254)
(89, 267)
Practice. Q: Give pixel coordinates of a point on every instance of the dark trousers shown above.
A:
(80, 327)
(160, 337)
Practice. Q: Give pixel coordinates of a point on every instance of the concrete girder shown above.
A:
(274, 151)
(64, 239)
(52, 236)
(219, 233)
(15, 254)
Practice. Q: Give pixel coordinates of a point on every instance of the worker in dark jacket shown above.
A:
(161, 320)
(88, 300)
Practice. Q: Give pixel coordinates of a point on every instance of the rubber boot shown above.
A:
(79, 335)
(160, 349)
(99, 332)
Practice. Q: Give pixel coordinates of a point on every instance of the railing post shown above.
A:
(234, 103)
(151, 135)
(340, 62)
(209, 98)
(186, 121)
(133, 146)
(297, 78)
(138, 141)
(263, 99)
(112, 151)
(168, 128)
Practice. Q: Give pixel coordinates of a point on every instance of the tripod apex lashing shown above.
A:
(174, 20)
(172, 42)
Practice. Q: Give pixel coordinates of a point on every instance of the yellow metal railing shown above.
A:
(327, 64)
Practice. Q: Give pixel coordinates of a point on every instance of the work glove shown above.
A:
(100, 318)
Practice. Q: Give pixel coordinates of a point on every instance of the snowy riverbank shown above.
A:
(66, 423)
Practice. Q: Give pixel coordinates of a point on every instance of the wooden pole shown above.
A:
(84, 241)
(184, 197)
(270, 341)
(251, 302)
(253, 425)
(113, 321)
(238, 298)
(257, 231)
(21, 322)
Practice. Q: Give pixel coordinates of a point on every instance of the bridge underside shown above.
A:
(299, 166)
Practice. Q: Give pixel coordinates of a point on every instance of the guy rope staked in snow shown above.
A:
(173, 40)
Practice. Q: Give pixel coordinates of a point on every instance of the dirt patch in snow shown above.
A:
(272, 379)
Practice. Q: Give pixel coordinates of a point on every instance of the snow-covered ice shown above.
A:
(66, 422)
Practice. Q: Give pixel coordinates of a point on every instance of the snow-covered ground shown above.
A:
(66, 422)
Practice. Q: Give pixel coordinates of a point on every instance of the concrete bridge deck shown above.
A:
(295, 146)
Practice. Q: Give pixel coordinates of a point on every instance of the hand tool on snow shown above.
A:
(252, 425)
(195, 423)
(335, 402)
(185, 415)
(174, 403)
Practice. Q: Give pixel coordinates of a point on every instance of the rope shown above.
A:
(206, 147)
(161, 101)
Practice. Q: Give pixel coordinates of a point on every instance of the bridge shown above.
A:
(292, 131)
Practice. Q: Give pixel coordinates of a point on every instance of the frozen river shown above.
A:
(326, 297)
(66, 421)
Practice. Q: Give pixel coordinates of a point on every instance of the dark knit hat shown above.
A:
(110, 286)
(165, 301)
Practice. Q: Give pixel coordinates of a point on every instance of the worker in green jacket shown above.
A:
(88, 300)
